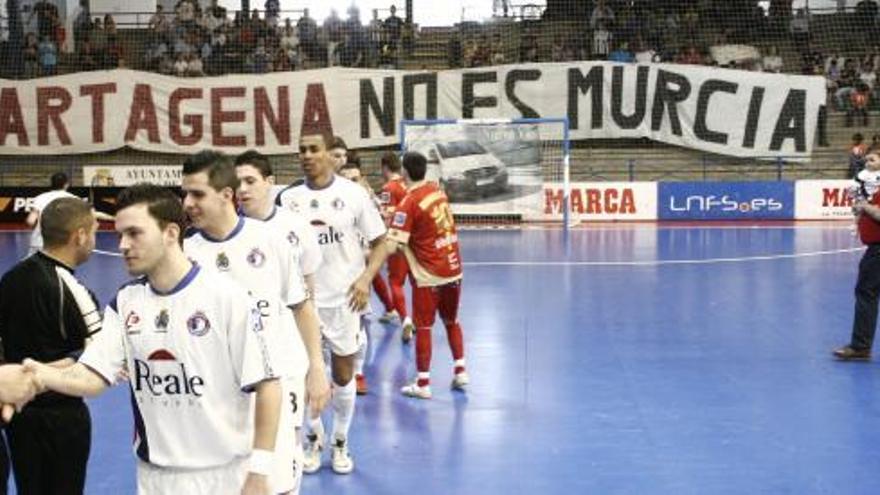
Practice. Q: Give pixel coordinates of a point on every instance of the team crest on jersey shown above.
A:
(222, 262)
(132, 323)
(338, 204)
(314, 204)
(198, 324)
(399, 219)
(256, 258)
(293, 206)
(162, 321)
(292, 238)
(385, 197)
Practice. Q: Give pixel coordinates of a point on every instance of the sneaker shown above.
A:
(408, 330)
(389, 317)
(312, 454)
(342, 462)
(414, 390)
(460, 381)
(848, 353)
(361, 383)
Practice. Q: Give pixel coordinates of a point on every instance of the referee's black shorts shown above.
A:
(49, 446)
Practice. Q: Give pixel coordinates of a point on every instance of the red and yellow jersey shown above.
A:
(392, 194)
(423, 224)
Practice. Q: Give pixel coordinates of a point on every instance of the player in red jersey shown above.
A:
(392, 194)
(423, 226)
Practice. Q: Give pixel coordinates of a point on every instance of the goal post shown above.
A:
(497, 171)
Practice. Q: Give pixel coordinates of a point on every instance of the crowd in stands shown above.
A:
(196, 42)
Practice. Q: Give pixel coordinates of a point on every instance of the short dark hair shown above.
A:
(257, 160)
(59, 180)
(337, 142)
(326, 137)
(416, 165)
(350, 166)
(391, 161)
(162, 204)
(220, 169)
(61, 218)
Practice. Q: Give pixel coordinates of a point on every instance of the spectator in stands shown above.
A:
(159, 22)
(281, 62)
(602, 40)
(259, 61)
(622, 53)
(393, 30)
(690, 56)
(155, 52)
(45, 13)
(528, 48)
(557, 50)
(375, 33)
(181, 65)
(602, 14)
(82, 25)
(867, 74)
(289, 46)
(859, 100)
(857, 152)
(273, 13)
(99, 43)
(31, 56)
(497, 55)
(185, 14)
(846, 84)
(307, 29)
(194, 66)
(799, 27)
(772, 62)
(333, 30)
(48, 56)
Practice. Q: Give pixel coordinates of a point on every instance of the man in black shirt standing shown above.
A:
(47, 315)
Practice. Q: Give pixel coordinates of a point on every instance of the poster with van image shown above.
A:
(488, 168)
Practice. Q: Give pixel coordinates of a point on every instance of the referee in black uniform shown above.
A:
(46, 314)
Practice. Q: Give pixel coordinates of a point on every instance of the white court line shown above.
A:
(107, 253)
(707, 261)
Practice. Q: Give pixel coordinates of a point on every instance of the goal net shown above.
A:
(497, 172)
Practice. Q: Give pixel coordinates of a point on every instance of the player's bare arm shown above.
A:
(268, 406)
(317, 386)
(380, 249)
(76, 380)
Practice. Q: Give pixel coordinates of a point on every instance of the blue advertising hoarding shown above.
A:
(762, 200)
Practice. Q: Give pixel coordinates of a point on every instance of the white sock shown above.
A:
(361, 354)
(343, 409)
(315, 426)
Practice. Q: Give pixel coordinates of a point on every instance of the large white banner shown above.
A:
(822, 200)
(723, 111)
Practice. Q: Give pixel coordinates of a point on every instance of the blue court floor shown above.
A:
(647, 360)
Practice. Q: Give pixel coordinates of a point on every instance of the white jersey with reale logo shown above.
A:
(341, 213)
(297, 231)
(191, 356)
(267, 266)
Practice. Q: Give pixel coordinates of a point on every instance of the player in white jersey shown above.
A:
(59, 182)
(194, 348)
(264, 263)
(341, 213)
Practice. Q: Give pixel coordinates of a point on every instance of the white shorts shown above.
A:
(341, 328)
(287, 471)
(221, 480)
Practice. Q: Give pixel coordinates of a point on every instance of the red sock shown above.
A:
(399, 298)
(381, 290)
(423, 350)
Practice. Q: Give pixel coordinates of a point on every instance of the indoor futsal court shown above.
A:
(641, 359)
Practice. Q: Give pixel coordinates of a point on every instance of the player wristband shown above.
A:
(261, 462)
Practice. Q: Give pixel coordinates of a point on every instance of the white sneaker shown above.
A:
(341, 459)
(312, 454)
(460, 381)
(408, 329)
(389, 316)
(414, 390)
